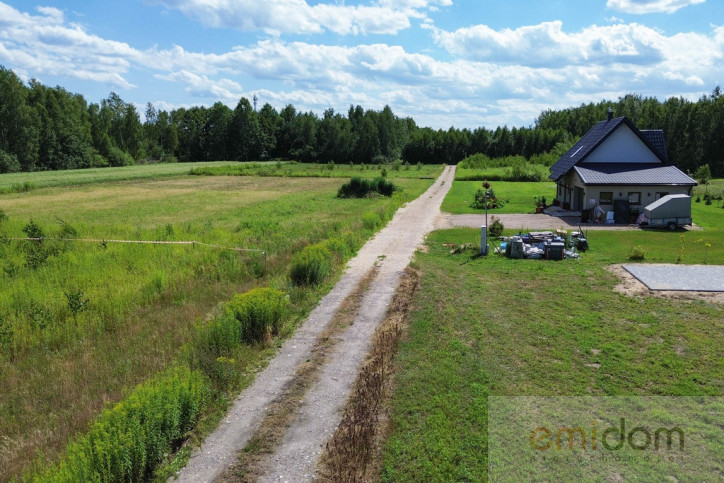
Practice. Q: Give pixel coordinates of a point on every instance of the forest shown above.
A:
(49, 128)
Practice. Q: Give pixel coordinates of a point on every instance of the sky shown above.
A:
(445, 63)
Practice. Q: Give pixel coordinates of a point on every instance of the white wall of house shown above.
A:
(647, 195)
(591, 195)
(622, 146)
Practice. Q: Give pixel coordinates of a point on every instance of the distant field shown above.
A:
(518, 197)
(81, 323)
(43, 179)
(293, 169)
(498, 327)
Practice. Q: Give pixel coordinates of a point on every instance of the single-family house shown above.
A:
(618, 167)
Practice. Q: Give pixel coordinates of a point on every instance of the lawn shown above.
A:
(493, 326)
(518, 196)
(83, 323)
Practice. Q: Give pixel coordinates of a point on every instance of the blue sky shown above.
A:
(462, 63)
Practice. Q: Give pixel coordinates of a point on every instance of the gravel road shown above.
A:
(321, 410)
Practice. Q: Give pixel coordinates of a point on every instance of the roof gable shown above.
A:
(597, 135)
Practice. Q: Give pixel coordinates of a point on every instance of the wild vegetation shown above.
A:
(82, 323)
(44, 128)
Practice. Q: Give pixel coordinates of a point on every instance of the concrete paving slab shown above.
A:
(688, 278)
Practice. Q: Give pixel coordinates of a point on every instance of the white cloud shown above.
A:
(650, 6)
(546, 44)
(44, 44)
(201, 86)
(298, 17)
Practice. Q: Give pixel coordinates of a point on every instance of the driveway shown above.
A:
(524, 222)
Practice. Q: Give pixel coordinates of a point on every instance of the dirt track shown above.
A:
(321, 408)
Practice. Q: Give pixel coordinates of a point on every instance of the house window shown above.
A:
(605, 198)
(634, 197)
(660, 194)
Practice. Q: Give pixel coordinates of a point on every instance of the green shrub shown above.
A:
(118, 157)
(636, 253)
(496, 227)
(8, 163)
(371, 220)
(338, 247)
(127, 441)
(260, 313)
(476, 161)
(310, 266)
(358, 187)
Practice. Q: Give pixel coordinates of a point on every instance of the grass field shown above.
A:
(293, 169)
(518, 196)
(20, 182)
(88, 321)
(499, 327)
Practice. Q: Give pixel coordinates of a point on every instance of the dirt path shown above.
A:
(321, 409)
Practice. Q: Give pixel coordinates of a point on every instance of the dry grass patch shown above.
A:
(353, 453)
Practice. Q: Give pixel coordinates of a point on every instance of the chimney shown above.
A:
(610, 114)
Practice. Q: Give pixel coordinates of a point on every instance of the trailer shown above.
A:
(670, 211)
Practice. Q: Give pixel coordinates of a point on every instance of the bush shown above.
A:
(476, 161)
(310, 266)
(358, 187)
(496, 227)
(522, 171)
(260, 313)
(8, 163)
(128, 441)
(371, 220)
(636, 253)
(118, 157)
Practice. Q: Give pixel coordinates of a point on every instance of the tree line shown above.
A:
(49, 128)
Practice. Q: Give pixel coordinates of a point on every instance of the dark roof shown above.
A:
(596, 135)
(632, 174)
(656, 138)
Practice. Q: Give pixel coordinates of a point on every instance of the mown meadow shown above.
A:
(493, 326)
(83, 323)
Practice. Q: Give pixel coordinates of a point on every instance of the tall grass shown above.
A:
(127, 441)
(97, 318)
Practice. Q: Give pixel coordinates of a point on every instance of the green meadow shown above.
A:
(84, 322)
